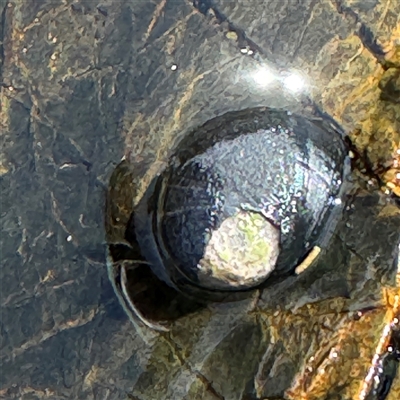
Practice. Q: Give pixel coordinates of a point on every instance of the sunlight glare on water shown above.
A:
(263, 76)
(295, 83)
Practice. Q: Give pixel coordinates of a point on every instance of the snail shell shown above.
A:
(243, 200)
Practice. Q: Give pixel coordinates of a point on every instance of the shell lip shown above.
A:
(147, 301)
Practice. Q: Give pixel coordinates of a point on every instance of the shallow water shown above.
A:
(85, 84)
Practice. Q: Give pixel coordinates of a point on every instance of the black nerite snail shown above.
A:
(243, 200)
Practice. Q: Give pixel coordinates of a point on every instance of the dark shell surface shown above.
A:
(287, 168)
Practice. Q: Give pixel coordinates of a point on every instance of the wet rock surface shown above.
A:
(84, 84)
